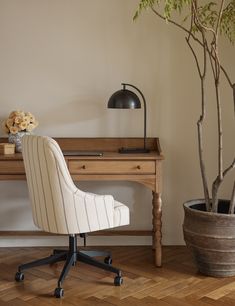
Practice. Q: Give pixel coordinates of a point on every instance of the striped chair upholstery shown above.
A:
(58, 206)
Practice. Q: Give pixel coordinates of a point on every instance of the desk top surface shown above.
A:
(108, 146)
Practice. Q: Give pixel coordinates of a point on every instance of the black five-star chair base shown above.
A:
(71, 256)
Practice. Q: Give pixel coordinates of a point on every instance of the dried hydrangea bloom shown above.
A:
(23, 126)
(19, 121)
(14, 130)
(9, 123)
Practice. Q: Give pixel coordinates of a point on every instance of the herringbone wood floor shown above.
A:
(177, 283)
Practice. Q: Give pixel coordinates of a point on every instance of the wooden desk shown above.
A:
(142, 168)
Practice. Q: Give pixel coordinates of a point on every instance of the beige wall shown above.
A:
(62, 59)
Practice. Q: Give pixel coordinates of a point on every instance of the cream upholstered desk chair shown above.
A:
(58, 206)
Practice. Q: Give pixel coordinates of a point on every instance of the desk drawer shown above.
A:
(111, 167)
(12, 167)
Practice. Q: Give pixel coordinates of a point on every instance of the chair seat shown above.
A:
(121, 214)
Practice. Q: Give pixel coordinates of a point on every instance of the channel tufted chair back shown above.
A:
(58, 206)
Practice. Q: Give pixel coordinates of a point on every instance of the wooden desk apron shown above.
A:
(142, 168)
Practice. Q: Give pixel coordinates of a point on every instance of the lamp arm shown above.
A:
(145, 111)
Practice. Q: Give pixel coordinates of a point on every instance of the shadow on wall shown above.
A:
(137, 197)
(15, 211)
(16, 214)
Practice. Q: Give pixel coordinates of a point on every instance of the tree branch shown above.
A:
(232, 202)
(212, 50)
(194, 38)
(219, 18)
(234, 97)
(217, 182)
(229, 168)
(197, 20)
(195, 57)
(220, 131)
(202, 75)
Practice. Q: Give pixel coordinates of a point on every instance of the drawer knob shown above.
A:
(83, 167)
(138, 167)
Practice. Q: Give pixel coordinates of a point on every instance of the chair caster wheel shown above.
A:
(108, 260)
(59, 293)
(19, 277)
(118, 281)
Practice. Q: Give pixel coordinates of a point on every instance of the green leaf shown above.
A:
(207, 12)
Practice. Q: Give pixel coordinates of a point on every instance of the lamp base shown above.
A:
(133, 150)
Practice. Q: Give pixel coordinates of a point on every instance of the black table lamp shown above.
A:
(125, 98)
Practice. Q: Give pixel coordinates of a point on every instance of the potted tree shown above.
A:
(209, 223)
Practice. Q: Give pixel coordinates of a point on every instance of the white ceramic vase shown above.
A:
(16, 139)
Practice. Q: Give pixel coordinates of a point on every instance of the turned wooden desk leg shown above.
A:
(157, 228)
